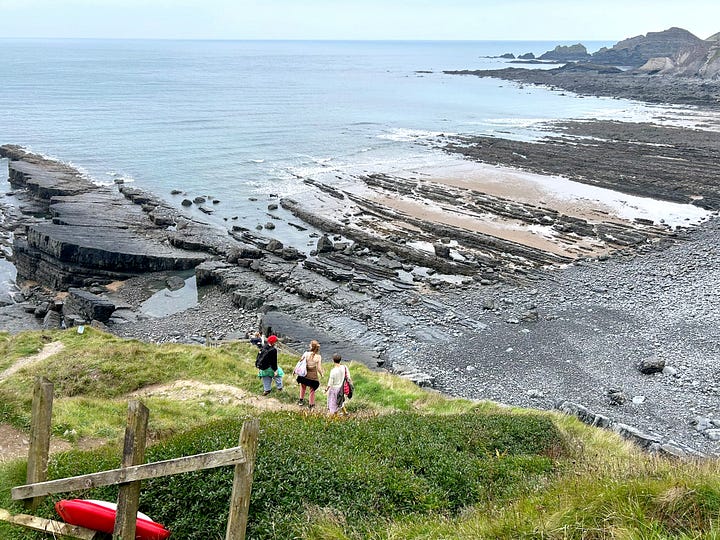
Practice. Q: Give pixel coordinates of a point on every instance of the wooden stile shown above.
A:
(169, 467)
(129, 476)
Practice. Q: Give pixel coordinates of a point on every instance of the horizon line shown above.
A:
(293, 39)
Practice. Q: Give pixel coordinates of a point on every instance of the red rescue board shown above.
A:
(100, 516)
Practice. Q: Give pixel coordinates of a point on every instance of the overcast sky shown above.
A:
(356, 19)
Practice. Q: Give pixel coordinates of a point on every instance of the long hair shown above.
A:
(314, 348)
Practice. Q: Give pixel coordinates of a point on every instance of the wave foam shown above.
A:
(410, 135)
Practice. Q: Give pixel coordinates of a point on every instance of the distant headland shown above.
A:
(672, 66)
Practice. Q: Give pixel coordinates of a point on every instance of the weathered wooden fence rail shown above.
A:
(129, 475)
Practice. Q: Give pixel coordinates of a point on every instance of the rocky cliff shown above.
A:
(636, 51)
(700, 60)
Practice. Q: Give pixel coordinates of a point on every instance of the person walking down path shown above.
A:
(334, 389)
(257, 340)
(311, 379)
(267, 364)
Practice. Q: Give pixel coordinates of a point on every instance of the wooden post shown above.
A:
(169, 467)
(242, 482)
(39, 436)
(56, 528)
(133, 454)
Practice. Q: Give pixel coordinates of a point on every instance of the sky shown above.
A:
(562, 20)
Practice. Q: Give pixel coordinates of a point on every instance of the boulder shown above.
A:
(617, 397)
(441, 250)
(275, 245)
(205, 273)
(41, 310)
(87, 306)
(52, 320)
(324, 245)
(291, 254)
(175, 283)
(247, 301)
(651, 365)
(243, 252)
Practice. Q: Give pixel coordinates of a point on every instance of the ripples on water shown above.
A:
(239, 120)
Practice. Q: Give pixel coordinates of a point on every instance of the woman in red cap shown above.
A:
(267, 363)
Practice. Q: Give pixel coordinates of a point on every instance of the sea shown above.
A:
(242, 121)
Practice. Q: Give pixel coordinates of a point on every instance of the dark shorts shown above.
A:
(312, 383)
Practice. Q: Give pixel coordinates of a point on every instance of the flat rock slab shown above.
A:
(92, 233)
(109, 248)
(42, 176)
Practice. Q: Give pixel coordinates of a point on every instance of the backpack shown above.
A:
(348, 387)
(301, 368)
(261, 360)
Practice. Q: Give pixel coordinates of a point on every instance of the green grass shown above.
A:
(19, 346)
(407, 464)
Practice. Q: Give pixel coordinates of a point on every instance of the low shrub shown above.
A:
(362, 472)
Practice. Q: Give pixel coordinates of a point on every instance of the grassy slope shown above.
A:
(407, 464)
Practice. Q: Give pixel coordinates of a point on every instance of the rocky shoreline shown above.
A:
(594, 80)
(474, 293)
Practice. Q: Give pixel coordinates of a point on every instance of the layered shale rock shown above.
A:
(43, 177)
(90, 233)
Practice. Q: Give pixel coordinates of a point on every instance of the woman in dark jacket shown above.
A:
(269, 371)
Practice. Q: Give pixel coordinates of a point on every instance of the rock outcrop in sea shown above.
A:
(670, 67)
(675, 52)
(566, 53)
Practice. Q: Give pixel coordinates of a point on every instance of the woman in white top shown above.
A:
(334, 389)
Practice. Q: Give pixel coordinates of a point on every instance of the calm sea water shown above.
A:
(242, 119)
